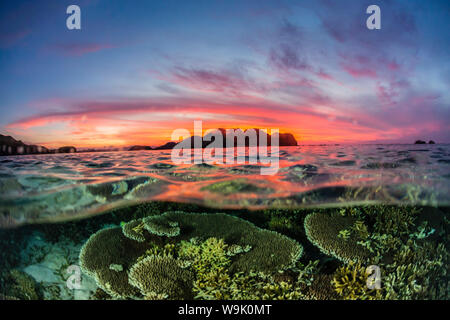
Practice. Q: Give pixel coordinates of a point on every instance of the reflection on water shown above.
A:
(64, 186)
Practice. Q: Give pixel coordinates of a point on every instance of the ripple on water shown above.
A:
(380, 165)
(53, 185)
(161, 165)
(99, 165)
(345, 163)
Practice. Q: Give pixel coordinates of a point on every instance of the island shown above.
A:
(10, 146)
(424, 142)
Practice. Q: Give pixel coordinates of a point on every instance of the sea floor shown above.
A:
(314, 253)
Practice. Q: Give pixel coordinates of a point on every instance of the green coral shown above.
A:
(321, 288)
(207, 256)
(168, 250)
(161, 226)
(264, 243)
(230, 258)
(344, 234)
(134, 230)
(270, 251)
(108, 247)
(419, 271)
(211, 260)
(232, 244)
(403, 244)
(21, 286)
(397, 221)
(330, 232)
(161, 277)
(350, 283)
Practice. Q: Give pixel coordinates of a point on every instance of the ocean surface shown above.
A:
(60, 187)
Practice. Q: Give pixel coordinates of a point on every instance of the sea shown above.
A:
(55, 190)
(56, 187)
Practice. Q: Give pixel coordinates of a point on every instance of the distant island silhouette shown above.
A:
(285, 140)
(10, 146)
(424, 142)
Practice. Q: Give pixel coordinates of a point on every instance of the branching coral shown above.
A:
(211, 260)
(232, 244)
(270, 251)
(208, 256)
(350, 283)
(402, 242)
(419, 271)
(396, 221)
(218, 256)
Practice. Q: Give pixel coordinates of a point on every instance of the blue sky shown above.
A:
(138, 70)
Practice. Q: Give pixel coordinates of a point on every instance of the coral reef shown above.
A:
(350, 283)
(321, 288)
(161, 277)
(140, 247)
(211, 260)
(164, 254)
(270, 252)
(107, 247)
(161, 226)
(405, 243)
(330, 233)
(134, 230)
(22, 286)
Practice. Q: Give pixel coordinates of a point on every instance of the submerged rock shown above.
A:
(235, 186)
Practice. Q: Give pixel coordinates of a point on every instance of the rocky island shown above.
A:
(424, 142)
(285, 140)
(10, 146)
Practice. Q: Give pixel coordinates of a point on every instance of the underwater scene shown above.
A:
(336, 222)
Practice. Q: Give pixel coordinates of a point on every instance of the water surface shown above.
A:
(38, 188)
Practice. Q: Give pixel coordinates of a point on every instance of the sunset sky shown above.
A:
(137, 70)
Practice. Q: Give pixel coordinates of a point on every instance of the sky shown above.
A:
(138, 70)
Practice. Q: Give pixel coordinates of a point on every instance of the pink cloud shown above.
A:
(359, 72)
